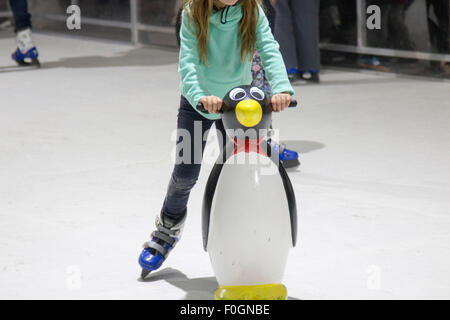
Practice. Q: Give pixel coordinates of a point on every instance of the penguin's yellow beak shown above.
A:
(249, 112)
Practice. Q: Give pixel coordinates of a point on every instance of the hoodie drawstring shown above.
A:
(222, 19)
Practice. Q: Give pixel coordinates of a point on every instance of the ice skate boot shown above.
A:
(168, 232)
(26, 53)
(289, 158)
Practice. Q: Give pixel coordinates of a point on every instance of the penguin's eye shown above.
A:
(237, 94)
(257, 93)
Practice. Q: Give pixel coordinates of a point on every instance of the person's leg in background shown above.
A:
(26, 52)
(377, 38)
(258, 74)
(178, 16)
(284, 34)
(398, 33)
(306, 29)
(269, 8)
(386, 12)
(442, 11)
(438, 28)
(178, 25)
(22, 17)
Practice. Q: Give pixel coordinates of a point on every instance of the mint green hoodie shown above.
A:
(225, 70)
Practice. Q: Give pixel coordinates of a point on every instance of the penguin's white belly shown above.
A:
(249, 232)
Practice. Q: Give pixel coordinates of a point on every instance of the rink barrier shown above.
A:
(386, 52)
(135, 26)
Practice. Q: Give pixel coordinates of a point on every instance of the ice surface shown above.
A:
(85, 160)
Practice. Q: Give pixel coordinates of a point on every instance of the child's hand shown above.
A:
(280, 101)
(212, 103)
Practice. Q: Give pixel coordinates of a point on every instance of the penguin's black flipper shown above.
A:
(292, 203)
(208, 197)
(290, 195)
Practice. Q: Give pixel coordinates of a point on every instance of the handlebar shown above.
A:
(201, 108)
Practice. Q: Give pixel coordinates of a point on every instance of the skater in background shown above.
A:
(259, 76)
(438, 27)
(337, 20)
(288, 157)
(26, 52)
(269, 9)
(297, 32)
(211, 63)
(393, 34)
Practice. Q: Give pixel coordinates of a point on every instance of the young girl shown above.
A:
(218, 39)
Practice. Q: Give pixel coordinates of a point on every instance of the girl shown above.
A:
(218, 39)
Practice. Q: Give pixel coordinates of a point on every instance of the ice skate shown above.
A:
(26, 53)
(164, 239)
(289, 158)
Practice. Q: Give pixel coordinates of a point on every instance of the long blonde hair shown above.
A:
(200, 10)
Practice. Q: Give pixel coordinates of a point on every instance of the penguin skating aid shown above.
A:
(249, 208)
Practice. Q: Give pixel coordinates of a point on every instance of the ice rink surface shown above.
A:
(85, 158)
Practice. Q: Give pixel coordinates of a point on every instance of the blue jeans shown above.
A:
(21, 16)
(185, 175)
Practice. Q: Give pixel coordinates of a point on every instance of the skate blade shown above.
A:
(4, 69)
(257, 292)
(291, 163)
(33, 63)
(144, 273)
(21, 66)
